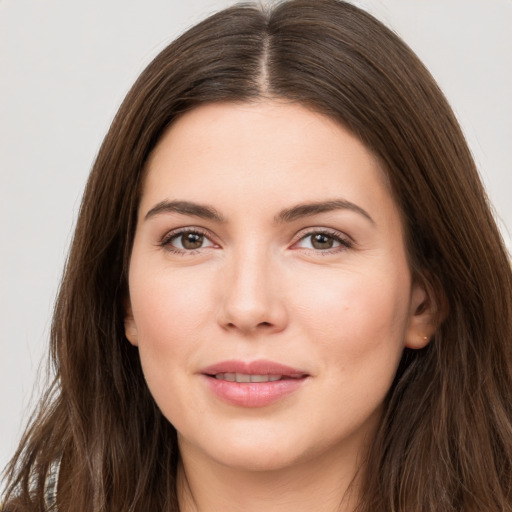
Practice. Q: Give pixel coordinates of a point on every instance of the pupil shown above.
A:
(192, 241)
(321, 241)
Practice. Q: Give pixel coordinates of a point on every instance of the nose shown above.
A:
(252, 299)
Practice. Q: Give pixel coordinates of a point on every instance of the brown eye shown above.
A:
(322, 241)
(192, 240)
(188, 241)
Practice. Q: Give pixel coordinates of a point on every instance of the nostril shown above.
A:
(232, 325)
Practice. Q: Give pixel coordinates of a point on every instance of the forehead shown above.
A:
(271, 150)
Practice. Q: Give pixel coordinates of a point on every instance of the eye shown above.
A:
(323, 241)
(186, 241)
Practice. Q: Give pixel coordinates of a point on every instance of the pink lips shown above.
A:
(253, 384)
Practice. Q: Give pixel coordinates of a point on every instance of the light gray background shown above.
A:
(64, 69)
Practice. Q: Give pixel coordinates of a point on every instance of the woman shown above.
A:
(285, 289)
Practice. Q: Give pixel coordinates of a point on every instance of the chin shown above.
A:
(258, 460)
(249, 452)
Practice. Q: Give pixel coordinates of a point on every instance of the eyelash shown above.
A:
(169, 237)
(337, 236)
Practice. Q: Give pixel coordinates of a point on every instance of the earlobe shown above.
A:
(130, 328)
(423, 318)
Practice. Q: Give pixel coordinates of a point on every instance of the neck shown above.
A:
(314, 484)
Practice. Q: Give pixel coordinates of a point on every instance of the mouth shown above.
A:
(254, 384)
(254, 371)
(246, 377)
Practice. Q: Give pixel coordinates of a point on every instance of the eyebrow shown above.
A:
(287, 215)
(185, 208)
(310, 209)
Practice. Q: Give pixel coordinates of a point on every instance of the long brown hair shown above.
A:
(445, 440)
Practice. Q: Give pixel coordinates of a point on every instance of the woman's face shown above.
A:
(270, 293)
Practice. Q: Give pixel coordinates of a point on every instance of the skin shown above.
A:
(259, 288)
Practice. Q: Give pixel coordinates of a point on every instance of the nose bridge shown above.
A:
(251, 298)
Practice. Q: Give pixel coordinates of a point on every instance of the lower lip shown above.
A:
(253, 394)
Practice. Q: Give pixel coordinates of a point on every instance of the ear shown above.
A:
(423, 317)
(130, 328)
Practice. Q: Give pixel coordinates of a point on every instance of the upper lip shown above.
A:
(259, 367)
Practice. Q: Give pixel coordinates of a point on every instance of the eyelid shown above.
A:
(173, 233)
(345, 240)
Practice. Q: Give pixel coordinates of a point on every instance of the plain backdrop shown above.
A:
(64, 69)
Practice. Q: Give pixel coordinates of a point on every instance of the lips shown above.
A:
(260, 367)
(253, 384)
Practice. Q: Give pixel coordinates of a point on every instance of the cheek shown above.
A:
(170, 312)
(354, 303)
(355, 316)
(169, 304)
